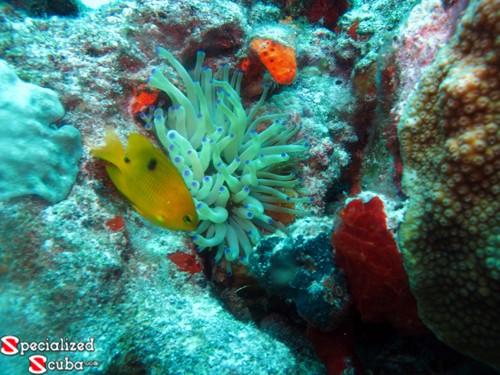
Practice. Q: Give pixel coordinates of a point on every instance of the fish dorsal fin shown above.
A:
(137, 144)
(139, 147)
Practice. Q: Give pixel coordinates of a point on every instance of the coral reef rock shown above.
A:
(301, 268)
(36, 158)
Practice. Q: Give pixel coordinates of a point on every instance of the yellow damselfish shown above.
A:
(147, 177)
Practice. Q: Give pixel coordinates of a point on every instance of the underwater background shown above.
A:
(339, 161)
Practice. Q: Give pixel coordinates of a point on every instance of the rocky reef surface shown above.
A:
(398, 102)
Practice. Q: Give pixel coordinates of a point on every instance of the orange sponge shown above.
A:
(279, 59)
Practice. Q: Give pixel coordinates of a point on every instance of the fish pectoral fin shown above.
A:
(118, 178)
(138, 210)
(157, 219)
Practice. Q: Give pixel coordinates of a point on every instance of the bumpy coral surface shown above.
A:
(227, 157)
(451, 234)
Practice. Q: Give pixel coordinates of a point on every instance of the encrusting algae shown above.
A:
(147, 177)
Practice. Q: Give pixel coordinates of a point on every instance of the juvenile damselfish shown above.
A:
(147, 177)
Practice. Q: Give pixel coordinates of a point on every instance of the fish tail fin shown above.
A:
(112, 151)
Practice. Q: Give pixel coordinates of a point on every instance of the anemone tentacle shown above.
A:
(234, 172)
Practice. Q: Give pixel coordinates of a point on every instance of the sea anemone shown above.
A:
(236, 164)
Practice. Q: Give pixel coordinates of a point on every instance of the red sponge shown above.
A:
(367, 252)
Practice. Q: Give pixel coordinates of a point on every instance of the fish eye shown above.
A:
(187, 219)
